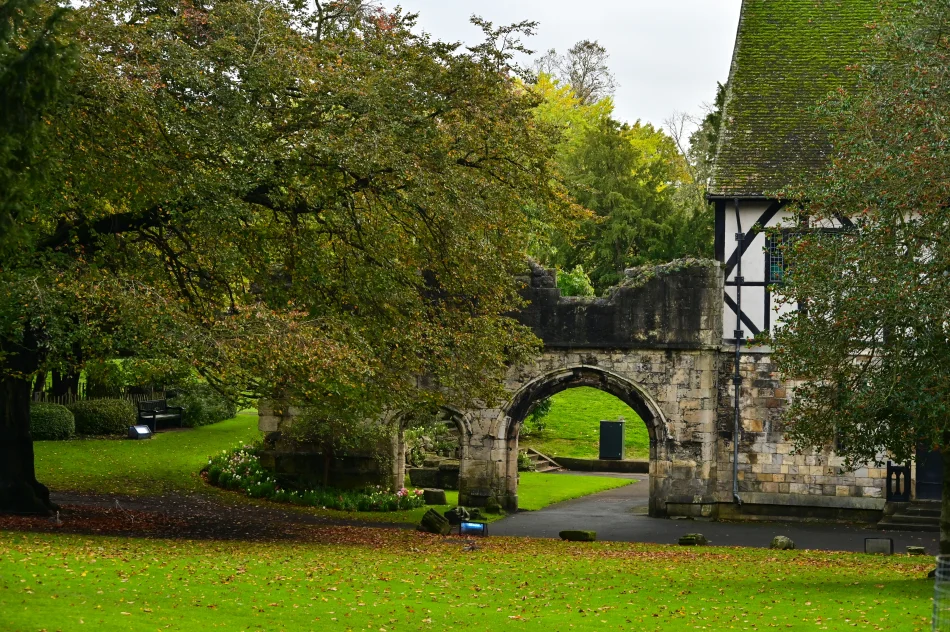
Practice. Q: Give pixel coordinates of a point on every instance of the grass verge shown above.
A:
(371, 579)
(572, 427)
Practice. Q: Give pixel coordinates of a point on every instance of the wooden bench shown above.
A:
(153, 411)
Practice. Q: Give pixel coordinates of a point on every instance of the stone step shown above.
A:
(887, 525)
(920, 510)
(541, 462)
(906, 519)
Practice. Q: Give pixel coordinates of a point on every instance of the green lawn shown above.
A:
(390, 580)
(573, 425)
(536, 490)
(170, 462)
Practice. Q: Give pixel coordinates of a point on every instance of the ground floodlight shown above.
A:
(140, 432)
(471, 527)
(879, 546)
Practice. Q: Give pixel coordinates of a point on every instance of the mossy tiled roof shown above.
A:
(789, 55)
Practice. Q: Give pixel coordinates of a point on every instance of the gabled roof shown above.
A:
(789, 55)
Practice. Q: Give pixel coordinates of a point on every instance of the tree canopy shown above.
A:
(637, 187)
(314, 203)
(870, 345)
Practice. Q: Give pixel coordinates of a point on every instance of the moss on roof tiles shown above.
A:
(789, 55)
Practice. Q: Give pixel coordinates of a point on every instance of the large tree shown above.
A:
(641, 197)
(870, 343)
(313, 203)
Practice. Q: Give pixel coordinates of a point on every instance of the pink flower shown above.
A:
(402, 492)
(419, 492)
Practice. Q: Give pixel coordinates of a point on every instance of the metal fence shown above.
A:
(70, 397)
(941, 619)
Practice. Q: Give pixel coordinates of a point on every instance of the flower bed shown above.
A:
(241, 470)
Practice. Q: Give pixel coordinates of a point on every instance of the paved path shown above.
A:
(621, 515)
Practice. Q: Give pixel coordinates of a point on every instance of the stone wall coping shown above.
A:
(812, 500)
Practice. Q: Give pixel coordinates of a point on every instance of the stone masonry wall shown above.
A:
(770, 472)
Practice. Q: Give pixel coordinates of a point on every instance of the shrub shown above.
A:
(51, 422)
(241, 470)
(525, 464)
(203, 405)
(103, 416)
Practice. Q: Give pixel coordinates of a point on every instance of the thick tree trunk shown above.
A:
(945, 501)
(65, 383)
(20, 492)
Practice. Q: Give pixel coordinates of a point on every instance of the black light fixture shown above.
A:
(879, 546)
(140, 432)
(473, 527)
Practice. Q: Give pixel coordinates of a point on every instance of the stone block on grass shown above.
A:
(434, 522)
(456, 516)
(434, 496)
(782, 543)
(578, 536)
(693, 539)
(916, 550)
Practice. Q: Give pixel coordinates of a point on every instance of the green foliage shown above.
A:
(525, 464)
(354, 568)
(293, 199)
(51, 422)
(240, 470)
(103, 416)
(642, 196)
(203, 405)
(574, 283)
(572, 426)
(34, 62)
(535, 422)
(870, 352)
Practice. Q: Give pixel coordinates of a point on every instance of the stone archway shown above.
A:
(559, 380)
(451, 417)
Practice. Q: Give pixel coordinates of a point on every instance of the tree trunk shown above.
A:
(65, 383)
(39, 385)
(945, 500)
(327, 461)
(20, 492)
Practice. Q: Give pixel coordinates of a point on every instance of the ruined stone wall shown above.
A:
(771, 474)
(653, 343)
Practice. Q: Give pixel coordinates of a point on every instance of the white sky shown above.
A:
(666, 55)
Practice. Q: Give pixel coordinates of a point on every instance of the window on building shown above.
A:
(775, 258)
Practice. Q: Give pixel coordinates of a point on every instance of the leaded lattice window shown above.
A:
(775, 258)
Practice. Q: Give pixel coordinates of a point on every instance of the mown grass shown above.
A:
(537, 490)
(387, 580)
(572, 427)
(171, 462)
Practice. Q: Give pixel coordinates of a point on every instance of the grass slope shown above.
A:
(170, 462)
(389, 580)
(573, 425)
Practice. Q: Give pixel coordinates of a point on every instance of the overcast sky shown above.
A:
(667, 55)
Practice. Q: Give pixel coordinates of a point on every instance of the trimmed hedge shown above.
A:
(203, 405)
(103, 416)
(50, 422)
